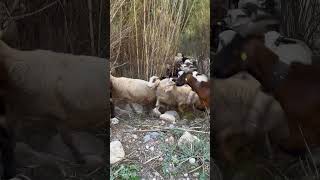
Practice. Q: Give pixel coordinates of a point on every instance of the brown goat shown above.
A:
(295, 86)
(201, 88)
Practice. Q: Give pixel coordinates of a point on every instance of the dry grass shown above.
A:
(146, 34)
(301, 19)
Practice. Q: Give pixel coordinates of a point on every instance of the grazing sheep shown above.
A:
(49, 89)
(169, 94)
(240, 109)
(132, 90)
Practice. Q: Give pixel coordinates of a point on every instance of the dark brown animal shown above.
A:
(201, 88)
(295, 86)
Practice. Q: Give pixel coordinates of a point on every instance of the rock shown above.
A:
(154, 135)
(156, 112)
(116, 152)
(134, 136)
(196, 174)
(170, 140)
(168, 117)
(185, 175)
(136, 108)
(187, 139)
(151, 148)
(171, 126)
(192, 160)
(114, 121)
(146, 138)
(173, 113)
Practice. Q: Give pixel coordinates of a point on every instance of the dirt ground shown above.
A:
(151, 150)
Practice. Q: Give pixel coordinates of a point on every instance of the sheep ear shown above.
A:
(153, 85)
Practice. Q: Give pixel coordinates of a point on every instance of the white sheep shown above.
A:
(132, 90)
(53, 90)
(169, 94)
(240, 107)
(288, 53)
(200, 77)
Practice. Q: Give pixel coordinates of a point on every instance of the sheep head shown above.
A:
(154, 81)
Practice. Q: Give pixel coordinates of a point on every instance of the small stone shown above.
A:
(171, 126)
(187, 139)
(185, 175)
(173, 113)
(154, 134)
(147, 147)
(156, 173)
(116, 152)
(114, 121)
(156, 112)
(134, 136)
(146, 138)
(192, 160)
(196, 174)
(167, 117)
(151, 148)
(160, 159)
(170, 140)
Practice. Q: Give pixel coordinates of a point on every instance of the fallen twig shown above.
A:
(94, 171)
(152, 159)
(167, 129)
(195, 169)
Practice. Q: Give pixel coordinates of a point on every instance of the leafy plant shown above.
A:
(127, 172)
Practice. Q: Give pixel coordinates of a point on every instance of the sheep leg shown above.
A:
(268, 146)
(68, 140)
(132, 108)
(180, 108)
(224, 150)
(112, 113)
(156, 109)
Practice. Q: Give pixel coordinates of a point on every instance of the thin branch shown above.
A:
(34, 12)
(91, 27)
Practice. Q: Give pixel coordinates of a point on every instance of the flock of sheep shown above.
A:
(161, 92)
